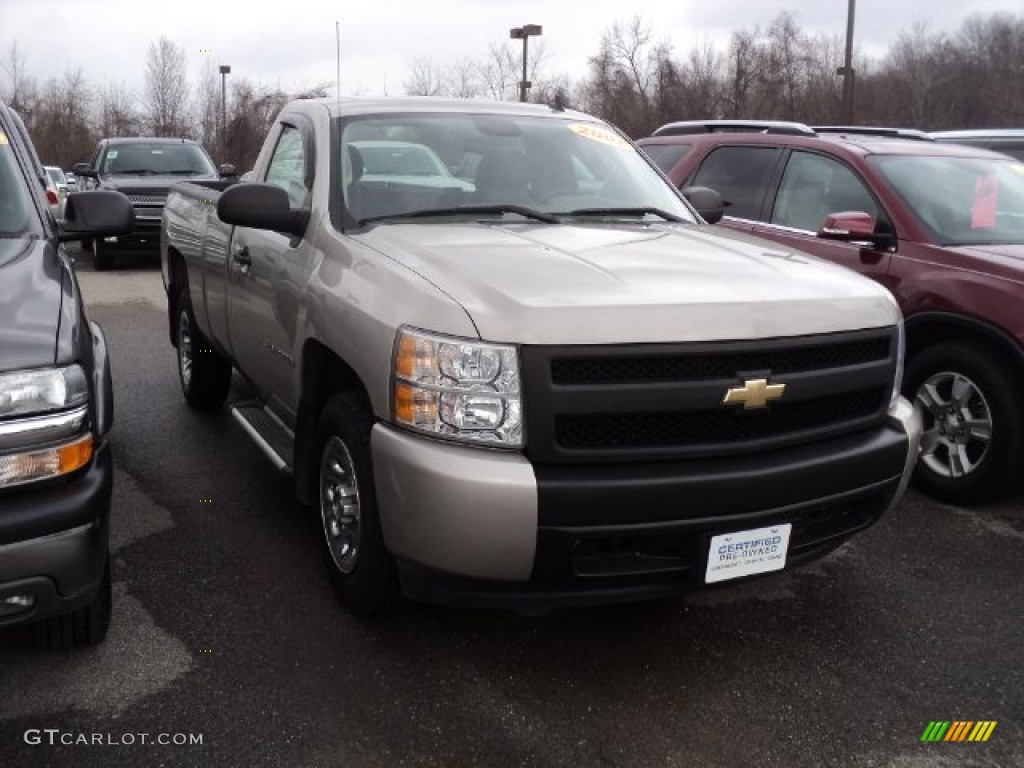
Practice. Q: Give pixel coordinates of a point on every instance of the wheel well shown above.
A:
(324, 375)
(925, 332)
(177, 278)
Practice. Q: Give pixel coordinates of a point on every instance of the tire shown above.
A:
(973, 424)
(102, 256)
(83, 628)
(205, 376)
(361, 569)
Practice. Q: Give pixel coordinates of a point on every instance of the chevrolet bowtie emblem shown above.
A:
(755, 393)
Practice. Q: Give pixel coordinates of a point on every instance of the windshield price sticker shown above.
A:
(745, 553)
(3, 138)
(597, 133)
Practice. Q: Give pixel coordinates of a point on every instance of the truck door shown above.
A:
(266, 272)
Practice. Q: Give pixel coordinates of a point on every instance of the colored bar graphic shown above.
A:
(982, 730)
(958, 730)
(935, 731)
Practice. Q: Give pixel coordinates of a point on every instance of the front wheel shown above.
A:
(361, 569)
(205, 376)
(972, 439)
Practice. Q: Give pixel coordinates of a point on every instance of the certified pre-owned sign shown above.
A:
(745, 553)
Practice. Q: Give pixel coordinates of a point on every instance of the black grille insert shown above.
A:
(694, 428)
(576, 371)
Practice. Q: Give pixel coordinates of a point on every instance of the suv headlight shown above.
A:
(44, 424)
(457, 388)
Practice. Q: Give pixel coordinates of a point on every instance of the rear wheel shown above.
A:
(973, 425)
(82, 628)
(102, 256)
(205, 376)
(360, 567)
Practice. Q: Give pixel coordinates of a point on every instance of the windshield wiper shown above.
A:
(145, 171)
(189, 171)
(523, 211)
(624, 212)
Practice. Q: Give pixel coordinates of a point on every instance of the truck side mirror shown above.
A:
(97, 213)
(708, 202)
(261, 206)
(84, 169)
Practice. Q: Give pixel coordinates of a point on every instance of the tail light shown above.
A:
(51, 196)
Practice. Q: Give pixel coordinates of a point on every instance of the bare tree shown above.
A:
(166, 95)
(21, 92)
(117, 113)
(462, 80)
(498, 71)
(207, 108)
(425, 78)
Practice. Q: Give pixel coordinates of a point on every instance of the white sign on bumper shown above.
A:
(744, 553)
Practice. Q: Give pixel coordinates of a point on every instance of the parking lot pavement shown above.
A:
(225, 628)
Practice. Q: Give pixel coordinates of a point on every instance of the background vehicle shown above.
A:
(71, 180)
(556, 387)
(55, 408)
(940, 225)
(1009, 141)
(56, 176)
(143, 169)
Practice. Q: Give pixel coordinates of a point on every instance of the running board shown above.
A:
(267, 431)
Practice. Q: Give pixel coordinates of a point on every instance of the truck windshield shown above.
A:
(391, 166)
(158, 158)
(960, 200)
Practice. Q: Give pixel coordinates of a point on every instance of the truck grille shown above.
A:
(664, 401)
(157, 200)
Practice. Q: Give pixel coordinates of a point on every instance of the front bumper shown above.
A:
(54, 541)
(488, 528)
(144, 237)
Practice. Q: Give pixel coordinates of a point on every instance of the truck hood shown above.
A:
(594, 283)
(30, 301)
(133, 184)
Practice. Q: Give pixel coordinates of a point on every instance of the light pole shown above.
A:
(523, 33)
(847, 69)
(225, 70)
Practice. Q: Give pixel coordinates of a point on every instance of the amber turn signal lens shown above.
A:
(75, 455)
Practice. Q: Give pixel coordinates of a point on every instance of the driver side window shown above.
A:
(814, 186)
(288, 166)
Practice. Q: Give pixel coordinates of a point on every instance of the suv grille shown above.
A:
(664, 401)
(147, 199)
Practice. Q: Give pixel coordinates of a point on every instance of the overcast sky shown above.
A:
(292, 43)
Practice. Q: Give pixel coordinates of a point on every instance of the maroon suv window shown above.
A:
(665, 156)
(740, 175)
(814, 186)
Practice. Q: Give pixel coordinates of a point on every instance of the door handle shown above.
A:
(240, 256)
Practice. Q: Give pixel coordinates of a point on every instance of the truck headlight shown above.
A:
(39, 391)
(44, 424)
(457, 388)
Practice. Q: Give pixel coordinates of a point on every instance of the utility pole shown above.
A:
(847, 69)
(524, 33)
(225, 70)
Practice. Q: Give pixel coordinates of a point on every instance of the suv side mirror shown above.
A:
(97, 213)
(708, 202)
(261, 206)
(227, 171)
(84, 169)
(848, 227)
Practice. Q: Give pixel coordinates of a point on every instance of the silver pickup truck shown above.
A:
(512, 366)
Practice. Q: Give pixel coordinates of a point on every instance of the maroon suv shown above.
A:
(940, 225)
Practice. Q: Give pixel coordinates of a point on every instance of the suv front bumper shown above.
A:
(488, 528)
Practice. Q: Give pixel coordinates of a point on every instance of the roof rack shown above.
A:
(871, 130)
(733, 126)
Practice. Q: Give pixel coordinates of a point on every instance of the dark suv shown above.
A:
(143, 169)
(55, 407)
(940, 225)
